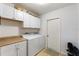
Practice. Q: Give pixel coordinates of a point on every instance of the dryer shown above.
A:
(35, 43)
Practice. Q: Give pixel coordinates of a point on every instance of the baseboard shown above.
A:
(63, 54)
(60, 53)
(38, 52)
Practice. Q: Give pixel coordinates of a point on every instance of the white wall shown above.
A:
(8, 31)
(78, 24)
(69, 24)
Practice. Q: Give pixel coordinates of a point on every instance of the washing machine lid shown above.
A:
(31, 36)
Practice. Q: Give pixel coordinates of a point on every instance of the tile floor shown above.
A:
(46, 52)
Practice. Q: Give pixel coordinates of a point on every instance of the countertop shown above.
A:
(10, 40)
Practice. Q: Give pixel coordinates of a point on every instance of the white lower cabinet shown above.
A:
(18, 49)
(9, 50)
(21, 48)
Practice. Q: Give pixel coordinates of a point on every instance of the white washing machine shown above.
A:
(35, 42)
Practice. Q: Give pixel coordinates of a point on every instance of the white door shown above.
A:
(9, 50)
(21, 48)
(54, 35)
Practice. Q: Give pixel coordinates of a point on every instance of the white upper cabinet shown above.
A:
(26, 20)
(6, 11)
(18, 15)
(31, 21)
(37, 22)
(10, 12)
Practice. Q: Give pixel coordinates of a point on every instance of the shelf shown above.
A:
(10, 22)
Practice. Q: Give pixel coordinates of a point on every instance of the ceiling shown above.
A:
(44, 8)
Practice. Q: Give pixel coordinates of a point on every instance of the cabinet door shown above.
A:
(27, 20)
(37, 22)
(32, 21)
(7, 11)
(18, 15)
(8, 50)
(22, 48)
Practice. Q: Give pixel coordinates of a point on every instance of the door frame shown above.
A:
(48, 35)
